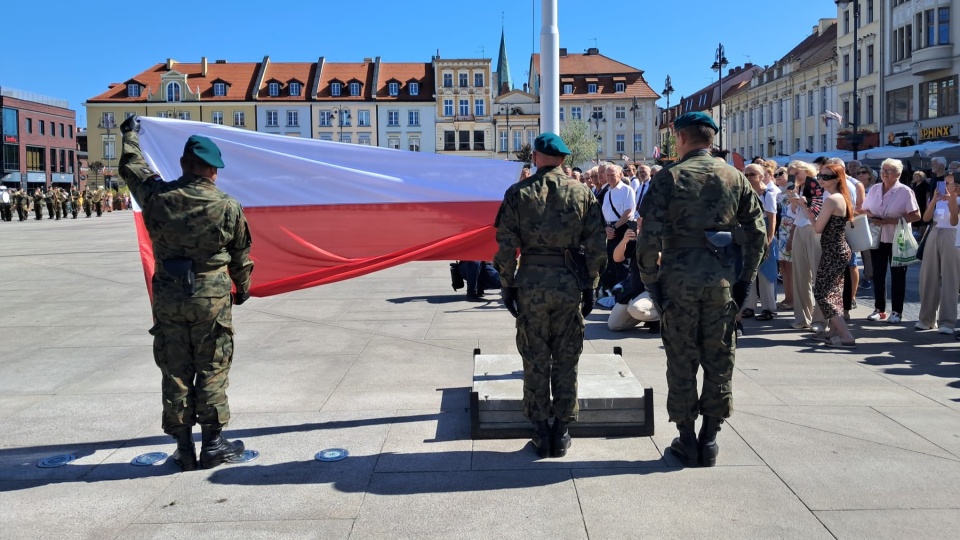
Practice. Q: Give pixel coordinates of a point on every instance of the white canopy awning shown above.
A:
(927, 149)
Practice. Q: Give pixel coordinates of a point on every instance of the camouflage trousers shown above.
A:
(698, 330)
(193, 347)
(550, 340)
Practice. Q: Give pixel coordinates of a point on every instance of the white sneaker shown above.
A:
(945, 330)
(877, 315)
(893, 318)
(922, 326)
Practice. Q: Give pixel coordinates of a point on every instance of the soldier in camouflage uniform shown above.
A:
(23, 204)
(74, 202)
(48, 200)
(98, 201)
(549, 217)
(38, 204)
(702, 214)
(201, 245)
(87, 201)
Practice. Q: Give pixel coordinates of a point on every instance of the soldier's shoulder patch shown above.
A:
(146, 171)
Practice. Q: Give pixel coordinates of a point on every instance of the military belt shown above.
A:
(543, 260)
(683, 242)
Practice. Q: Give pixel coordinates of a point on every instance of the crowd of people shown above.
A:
(58, 202)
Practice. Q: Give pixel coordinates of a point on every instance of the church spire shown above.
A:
(503, 67)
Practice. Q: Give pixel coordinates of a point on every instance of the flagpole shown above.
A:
(549, 68)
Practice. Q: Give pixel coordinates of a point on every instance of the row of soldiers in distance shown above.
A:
(58, 202)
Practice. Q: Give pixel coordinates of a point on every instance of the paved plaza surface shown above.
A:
(824, 443)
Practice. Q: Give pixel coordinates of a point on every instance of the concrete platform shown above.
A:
(612, 401)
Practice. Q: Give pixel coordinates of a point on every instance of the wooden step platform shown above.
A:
(612, 400)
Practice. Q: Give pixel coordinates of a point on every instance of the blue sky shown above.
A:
(101, 49)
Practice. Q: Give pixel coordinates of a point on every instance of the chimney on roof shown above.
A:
(593, 51)
(220, 62)
(170, 63)
(563, 51)
(367, 60)
(748, 65)
(203, 66)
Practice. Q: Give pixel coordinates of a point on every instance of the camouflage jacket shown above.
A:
(191, 218)
(697, 194)
(543, 215)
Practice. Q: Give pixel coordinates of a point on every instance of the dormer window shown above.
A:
(294, 89)
(335, 89)
(592, 88)
(393, 88)
(354, 89)
(568, 89)
(621, 87)
(273, 89)
(414, 88)
(173, 91)
(133, 90)
(219, 89)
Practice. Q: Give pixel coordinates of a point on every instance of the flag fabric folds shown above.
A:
(321, 211)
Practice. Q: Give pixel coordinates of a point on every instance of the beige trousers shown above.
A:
(939, 278)
(806, 259)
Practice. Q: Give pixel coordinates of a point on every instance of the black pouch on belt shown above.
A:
(181, 269)
(576, 261)
(720, 243)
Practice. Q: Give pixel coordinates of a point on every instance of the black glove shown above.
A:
(589, 299)
(656, 296)
(509, 297)
(740, 289)
(239, 298)
(131, 124)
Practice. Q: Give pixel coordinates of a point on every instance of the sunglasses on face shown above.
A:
(779, 174)
(751, 175)
(863, 172)
(827, 177)
(888, 171)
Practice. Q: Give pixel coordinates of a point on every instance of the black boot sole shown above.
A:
(684, 459)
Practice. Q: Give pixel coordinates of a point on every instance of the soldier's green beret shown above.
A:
(695, 119)
(204, 149)
(551, 145)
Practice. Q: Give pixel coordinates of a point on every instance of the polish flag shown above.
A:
(322, 211)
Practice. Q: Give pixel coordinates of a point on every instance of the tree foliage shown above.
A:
(524, 154)
(580, 141)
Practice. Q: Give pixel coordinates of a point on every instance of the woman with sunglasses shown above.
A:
(836, 211)
(885, 204)
(805, 247)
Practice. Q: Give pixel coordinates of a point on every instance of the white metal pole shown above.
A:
(549, 68)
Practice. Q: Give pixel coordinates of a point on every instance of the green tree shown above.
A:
(524, 154)
(97, 169)
(580, 141)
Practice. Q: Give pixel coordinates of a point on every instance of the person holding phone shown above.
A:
(940, 267)
(805, 246)
(787, 182)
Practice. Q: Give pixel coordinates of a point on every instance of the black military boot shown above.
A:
(559, 438)
(186, 453)
(685, 446)
(541, 438)
(215, 449)
(707, 442)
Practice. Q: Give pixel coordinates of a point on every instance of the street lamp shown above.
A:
(107, 123)
(634, 109)
(667, 90)
(508, 110)
(343, 118)
(597, 118)
(854, 138)
(718, 65)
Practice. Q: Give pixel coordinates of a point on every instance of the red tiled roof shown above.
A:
(285, 73)
(404, 73)
(606, 72)
(240, 76)
(346, 72)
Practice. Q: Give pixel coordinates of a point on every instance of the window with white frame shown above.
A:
(344, 117)
(638, 143)
(219, 89)
(531, 136)
(325, 118)
(796, 109)
(393, 142)
(796, 144)
(504, 140)
(295, 89)
(620, 112)
(448, 80)
(217, 117)
(239, 119)
(561, 114)
(760, 116)
(346, 138)
(273, 89)
(770, 114)
(109, 148)
(478, 80)
(448, 107)
(621, 143)
(173, 91)
(363, 118)
(810, 107)
(363, 138)
(293, 118)
(133, 90)
(108, 120)
(464, 107)
(479, 107)
(576, 113)
(621, 87)
(414, 90)
(823, 142)
(809, 143)
(160, 114)
(335, 89)
(354, 89)
(568, 88)
(393, 89)
(463, 79)
(414, 144)
(592, 88)
(413, 118)
(272, 119)
(393, 118)
(326, 136)
(517, 140)
(184, 115)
